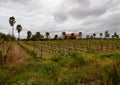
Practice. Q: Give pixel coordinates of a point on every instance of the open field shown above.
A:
(61, 62)
(60, 42)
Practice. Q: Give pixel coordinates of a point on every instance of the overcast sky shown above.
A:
(56, 16)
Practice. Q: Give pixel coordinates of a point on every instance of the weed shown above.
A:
(47, 68)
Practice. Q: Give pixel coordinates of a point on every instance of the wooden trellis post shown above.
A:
(1, 60)
(3, 46)
(41, 51)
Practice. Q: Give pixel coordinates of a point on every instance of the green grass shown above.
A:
(31, 51)
(68, 69)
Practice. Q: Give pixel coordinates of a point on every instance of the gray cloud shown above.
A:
(55, 16)
(15, 1)
(84, 8)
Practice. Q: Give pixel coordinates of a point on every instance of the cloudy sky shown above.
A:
(56, 16)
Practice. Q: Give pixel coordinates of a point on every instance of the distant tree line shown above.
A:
(5, 37)
(38, 36)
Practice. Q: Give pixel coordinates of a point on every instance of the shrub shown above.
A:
(47, 68)
(33, 53)
(56, 58)
(4, 75)
(110, 55)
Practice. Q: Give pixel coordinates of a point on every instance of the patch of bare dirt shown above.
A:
(16, 55)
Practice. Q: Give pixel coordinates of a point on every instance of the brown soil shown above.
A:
(16, 55)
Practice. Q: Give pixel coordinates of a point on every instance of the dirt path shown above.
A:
(16, 55)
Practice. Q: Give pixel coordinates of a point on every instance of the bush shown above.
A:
(110, 55)
(47, 68)
(56, 58)
(33, 53)
(4, 75)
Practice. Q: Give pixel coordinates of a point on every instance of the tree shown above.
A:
(80, 34)
(38, 35)
(116, 35)
(56, 37)
(91, 37)
(72, 36)
(64, 33)
(33, 37)
(94, 35)
(101, 35)
(113, 36)
(47, 35)
(12, 22)
(5, 37)
(107, 35)
(19, 28)
(29, 33)
(2, 36)
(87, 36)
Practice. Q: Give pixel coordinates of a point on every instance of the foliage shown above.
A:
(110, 55)
(32, 52)
(6, 51)
(60, 67)
(69, 69)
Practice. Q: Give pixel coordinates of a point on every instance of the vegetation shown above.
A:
(31, 51)
(47, 35)
(6, 51)
(37, 36)
(12, 22)
(69, 69)
(29, 33)
(19, 28)
(76, 61)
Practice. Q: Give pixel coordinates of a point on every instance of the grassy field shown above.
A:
(61, 62)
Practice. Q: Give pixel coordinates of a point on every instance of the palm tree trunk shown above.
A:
(12, 31)
(47, 37)
(19, 35)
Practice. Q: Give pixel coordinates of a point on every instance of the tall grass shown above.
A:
(69, 69)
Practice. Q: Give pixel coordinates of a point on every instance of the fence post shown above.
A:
(1, 60)
(3, 46)
(41, 52)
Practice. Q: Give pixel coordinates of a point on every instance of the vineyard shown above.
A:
(60, 62)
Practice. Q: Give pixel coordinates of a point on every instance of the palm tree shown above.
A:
(29, 33)
(72, 35)
(94, 35)
(64, 33)
(116, 35)
(107, 34)
(47, 34)
(56, 36)
(101, 35)
(19, 28)
(12, 22)
(80, 34)
(38, 35)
